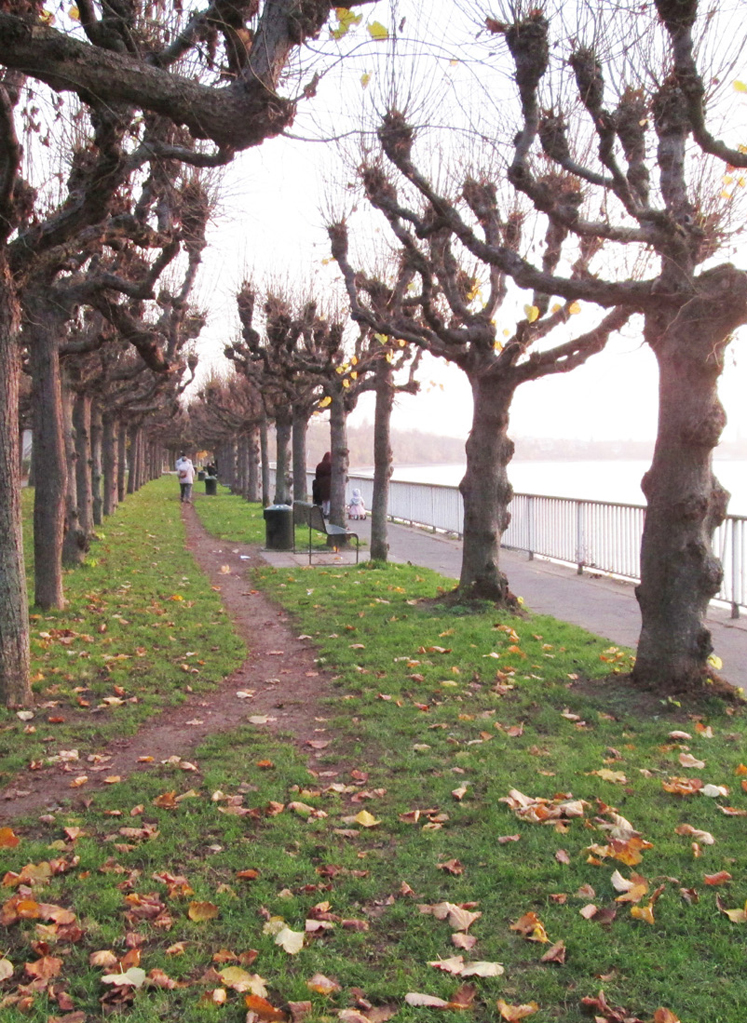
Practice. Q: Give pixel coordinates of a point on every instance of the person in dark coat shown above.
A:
(323, 480)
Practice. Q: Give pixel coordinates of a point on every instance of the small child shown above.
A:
(356, 508)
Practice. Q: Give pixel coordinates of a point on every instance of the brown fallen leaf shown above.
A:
(264, 1009)
(530, 927)
(722, 877)
(322, 985)
(452, 867)
(555, 954)
(511, 1013)
(202, 911)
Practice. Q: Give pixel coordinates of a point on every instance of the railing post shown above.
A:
(580, 537)
(530, 526)
(736, 563)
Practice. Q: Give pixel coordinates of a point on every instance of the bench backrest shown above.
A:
(316, 519)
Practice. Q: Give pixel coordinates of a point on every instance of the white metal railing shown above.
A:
(602, 536)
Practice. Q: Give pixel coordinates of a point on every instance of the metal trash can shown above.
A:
(201, 474)
(211, 486)
(279, 527)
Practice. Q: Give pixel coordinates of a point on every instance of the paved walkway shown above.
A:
(604, 606)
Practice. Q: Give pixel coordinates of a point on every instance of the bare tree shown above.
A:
(448, 316)
(644, 181)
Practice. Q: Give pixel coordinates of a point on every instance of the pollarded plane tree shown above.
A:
(166, 63)
(444, 311)
(116, 269)
(344, 364)
(268, 358)
(227, 413)
(386, 356)
(651, 184)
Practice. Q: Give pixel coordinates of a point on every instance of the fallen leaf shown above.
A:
(105, 958)
(415, 998)
(511, 1013)
(202, 911)
(366, 819)
(453, 965)
(555, 954)
(483, 969)
(8, 838)
(688, 760)
(6, 969)
(291, 941)
(264, 1009)
(239, 980)
(701, 836)
(737, 916)
(133, 977)
(322, 985)
(722, 877)
(465, 941)
(530, 927)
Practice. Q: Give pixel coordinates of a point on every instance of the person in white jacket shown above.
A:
(186, 474)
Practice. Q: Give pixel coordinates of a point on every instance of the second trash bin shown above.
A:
(211, 486)
(279, 527)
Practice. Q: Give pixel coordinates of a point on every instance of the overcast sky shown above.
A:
(271, 224)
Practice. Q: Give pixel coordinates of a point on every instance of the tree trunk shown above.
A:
(84, 464)
(685, 503)
(264, 444)
(338, 439)
(96, 466)
(485, 489)
(109, 461)
(75, 541)
(123, 477)
(253, 476)
(282, 459)
(15, 687)
(382, 459)
(300, 429)
(51, 468)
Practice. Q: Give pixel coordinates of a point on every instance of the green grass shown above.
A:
(141, 626)
(427, 699)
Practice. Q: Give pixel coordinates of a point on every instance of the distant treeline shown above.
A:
(413, 447)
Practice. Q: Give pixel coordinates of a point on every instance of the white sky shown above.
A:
(271, 223)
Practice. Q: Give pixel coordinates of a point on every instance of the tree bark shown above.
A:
(300, 429)
(264, 445)
(382, 459)
(109, 461)
(338, 439)
(283, 426)
(75, 541)
(15, 686)
(685, 503)
(123, 476)
(51, 467)
(485, 489)
(253, 492)
(84, 464)
(96, 466)
(130, 434)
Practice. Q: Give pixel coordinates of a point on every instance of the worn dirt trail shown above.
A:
(279, 669)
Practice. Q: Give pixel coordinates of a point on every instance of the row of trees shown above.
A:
(159, 88)
(588, 175)
(601, 175)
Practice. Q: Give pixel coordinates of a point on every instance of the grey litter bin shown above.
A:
(279, 527)
(211, 486)
(201, 475)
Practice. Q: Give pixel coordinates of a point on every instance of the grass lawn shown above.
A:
(488, 791)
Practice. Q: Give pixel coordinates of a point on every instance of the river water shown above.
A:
(589, 480)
